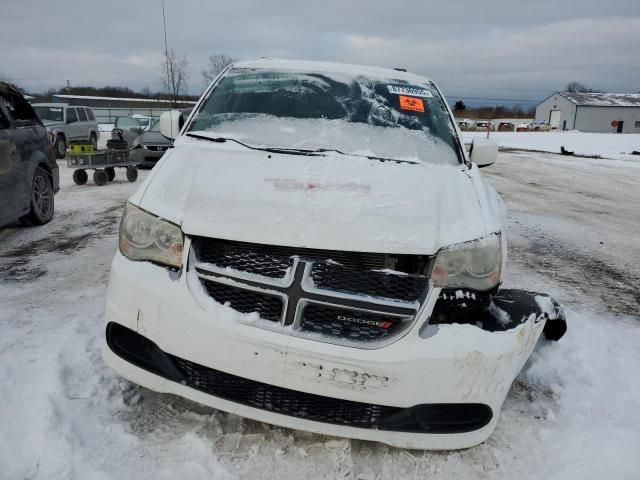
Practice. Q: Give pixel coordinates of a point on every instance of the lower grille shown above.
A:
(267, 306)
(349, 324)
(424, 418)
(281, 400)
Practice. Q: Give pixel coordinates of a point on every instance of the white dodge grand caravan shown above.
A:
(319, 252)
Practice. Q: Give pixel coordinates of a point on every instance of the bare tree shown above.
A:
(174, 74)
(217, 63)
(577, 87)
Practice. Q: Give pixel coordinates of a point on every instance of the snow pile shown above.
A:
(571, 414)
(606, 145)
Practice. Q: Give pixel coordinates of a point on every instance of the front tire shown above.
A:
(42, 201)
(61, 146)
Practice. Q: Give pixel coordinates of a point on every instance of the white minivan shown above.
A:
(318, 251)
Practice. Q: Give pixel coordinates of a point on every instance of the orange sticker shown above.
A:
(411, 103)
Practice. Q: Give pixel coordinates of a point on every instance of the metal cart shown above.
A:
(103, 162)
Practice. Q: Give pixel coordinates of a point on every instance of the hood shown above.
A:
(333, 202)
(154, 138)
(52, 123)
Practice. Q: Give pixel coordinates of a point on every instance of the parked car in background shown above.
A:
(145, 121)
(506, 127)
(68, 124)
(128, 128)
(151, 145)
(465, 124)
(28, 169)
(319, 252)
(484, 125)
(539, 125)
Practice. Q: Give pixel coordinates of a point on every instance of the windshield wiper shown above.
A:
(370, 157)
(298, 151)
(288, 151)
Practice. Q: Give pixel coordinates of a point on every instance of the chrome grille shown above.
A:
(310, 292)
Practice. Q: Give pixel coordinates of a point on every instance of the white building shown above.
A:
(591, 112)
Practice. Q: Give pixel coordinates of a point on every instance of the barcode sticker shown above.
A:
(408, 90)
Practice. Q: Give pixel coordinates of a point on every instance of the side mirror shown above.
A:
(171, 123)
(484, 152)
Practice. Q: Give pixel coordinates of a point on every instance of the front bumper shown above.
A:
(454, 365)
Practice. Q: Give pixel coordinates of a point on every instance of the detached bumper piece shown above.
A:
(426, 418)
(500, 311)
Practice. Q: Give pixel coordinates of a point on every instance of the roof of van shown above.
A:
(349, 69)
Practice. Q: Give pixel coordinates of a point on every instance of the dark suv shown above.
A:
(28, 170)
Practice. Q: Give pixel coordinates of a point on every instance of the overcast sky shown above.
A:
(504, 49)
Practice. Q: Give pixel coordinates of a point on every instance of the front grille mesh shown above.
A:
(282, 400)
(273, 260)
(376, 284)
(358, 286)
(349, 324)
(267, 306)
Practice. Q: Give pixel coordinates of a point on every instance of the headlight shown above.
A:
(146, 237)
(474, 265)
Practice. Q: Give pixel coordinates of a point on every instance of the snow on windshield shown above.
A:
(381, 117)
(349, 137)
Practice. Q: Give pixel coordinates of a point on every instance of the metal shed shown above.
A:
(591, 112)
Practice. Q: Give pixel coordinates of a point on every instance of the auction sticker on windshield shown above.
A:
(408, 90)
(411, 103)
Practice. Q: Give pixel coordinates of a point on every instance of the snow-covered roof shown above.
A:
(119, 99)
(332, 67)
(603, 99)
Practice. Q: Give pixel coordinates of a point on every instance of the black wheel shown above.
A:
(93, 139)
(60, 146)
(80, 176)
(132, 174)
(100, 177)
(42, 204)
(111, 173)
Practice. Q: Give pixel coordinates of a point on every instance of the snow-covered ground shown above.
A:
(605, 145)
(571, 414)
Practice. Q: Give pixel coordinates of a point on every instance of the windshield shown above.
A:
(382, 117)
(53, 114)
(155, 126)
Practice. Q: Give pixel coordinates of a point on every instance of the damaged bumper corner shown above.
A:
(504, 310)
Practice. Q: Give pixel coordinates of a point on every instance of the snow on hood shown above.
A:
(331, 202)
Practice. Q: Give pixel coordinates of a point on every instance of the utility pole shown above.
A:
(166, 49)
(68, 86)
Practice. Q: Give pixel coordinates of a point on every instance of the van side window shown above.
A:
(72, 117)
(90, 114)
(82, 115)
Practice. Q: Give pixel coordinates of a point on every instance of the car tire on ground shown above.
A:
(93, 139)
(111, 173)
(42, 202)
(60, 146)
(80, 176)
(132, 174)
(100, 177)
